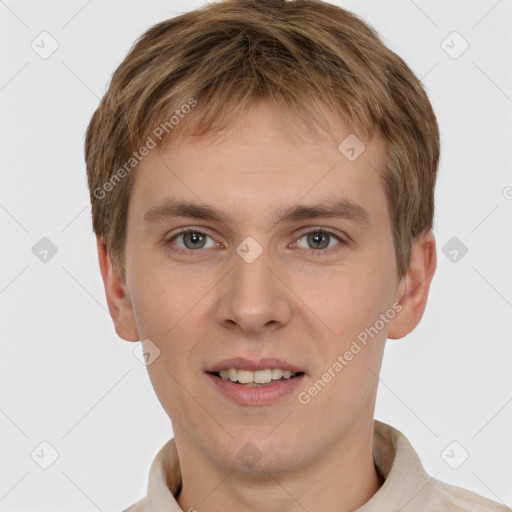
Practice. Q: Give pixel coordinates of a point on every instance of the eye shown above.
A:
(192, 239)
(319, 239)
(189, 240)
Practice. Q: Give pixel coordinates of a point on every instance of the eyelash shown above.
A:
(307, 231)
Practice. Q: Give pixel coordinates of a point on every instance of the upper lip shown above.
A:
(254, 364)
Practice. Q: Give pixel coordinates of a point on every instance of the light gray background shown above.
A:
(67, 379)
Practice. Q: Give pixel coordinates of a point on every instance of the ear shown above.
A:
(412, 292)
(118, 300)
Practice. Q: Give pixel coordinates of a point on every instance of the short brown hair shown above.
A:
(225, 57)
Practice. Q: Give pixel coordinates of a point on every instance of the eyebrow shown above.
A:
(340, 208)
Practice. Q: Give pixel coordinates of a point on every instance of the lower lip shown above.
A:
(258, 395)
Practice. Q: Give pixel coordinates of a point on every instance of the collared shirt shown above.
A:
(406, 488)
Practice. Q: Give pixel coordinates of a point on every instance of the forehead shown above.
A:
(259, 164)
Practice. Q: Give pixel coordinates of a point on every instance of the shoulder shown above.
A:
(140, 506)
(410, 488)
(458, 499)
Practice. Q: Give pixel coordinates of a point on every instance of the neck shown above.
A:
(342, 479)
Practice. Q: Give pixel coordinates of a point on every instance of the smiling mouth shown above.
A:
(258, 378)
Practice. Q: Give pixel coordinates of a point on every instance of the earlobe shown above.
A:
(119, 304)
(412, 292)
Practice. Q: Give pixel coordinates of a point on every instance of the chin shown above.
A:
(261, 457)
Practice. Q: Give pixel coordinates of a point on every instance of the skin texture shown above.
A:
(296, 302)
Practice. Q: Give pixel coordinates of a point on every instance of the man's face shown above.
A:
(266, 280)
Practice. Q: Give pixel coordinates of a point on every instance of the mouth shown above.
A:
(256, 378)
(255, 382)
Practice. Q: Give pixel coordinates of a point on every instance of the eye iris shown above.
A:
(194, 240)
(318, 240)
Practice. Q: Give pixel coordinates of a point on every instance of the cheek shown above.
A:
(166, 310)
(163, 298)
(346, 300)
(169, 307)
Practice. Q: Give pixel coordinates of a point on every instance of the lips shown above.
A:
(246, 381)
(254, 365)
(254, 394)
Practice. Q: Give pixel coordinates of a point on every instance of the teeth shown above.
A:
(262, 376)
(245, 376)
(277, 373)
(257, 377)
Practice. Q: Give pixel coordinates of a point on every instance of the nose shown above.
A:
(253, 298)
